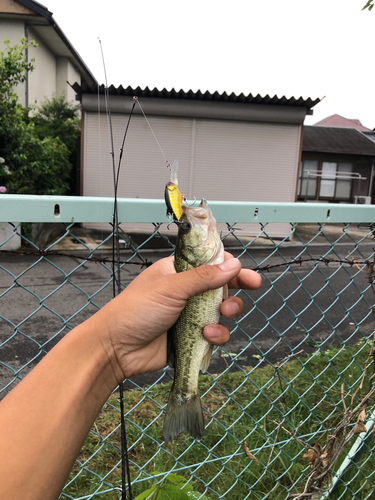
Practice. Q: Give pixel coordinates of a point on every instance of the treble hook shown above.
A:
(187, 203)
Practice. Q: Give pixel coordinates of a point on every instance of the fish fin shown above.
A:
(170, 349)
(186, 417)
(206, 359)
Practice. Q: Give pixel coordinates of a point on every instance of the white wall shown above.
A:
(13, 30)
(42, 81)
(221, 160)
(51, 73)
(65, 72)
(218, 159)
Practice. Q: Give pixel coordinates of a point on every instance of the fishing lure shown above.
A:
(172, 195)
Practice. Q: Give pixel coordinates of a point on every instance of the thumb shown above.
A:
(203, 278)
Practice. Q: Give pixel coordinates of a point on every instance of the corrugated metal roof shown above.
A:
(203, 96)
(337, 140)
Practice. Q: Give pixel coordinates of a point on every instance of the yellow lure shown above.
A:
(172, 195)
(173, 200)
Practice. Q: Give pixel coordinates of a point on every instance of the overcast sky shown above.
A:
(308, 48)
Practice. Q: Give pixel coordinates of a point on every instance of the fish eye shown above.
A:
(186, 226)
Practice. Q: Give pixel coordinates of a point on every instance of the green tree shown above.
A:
(13, 70)
(30, 163)
(59, 119)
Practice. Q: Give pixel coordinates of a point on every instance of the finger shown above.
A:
(203, 278)
(231, 307)
(246, 279)
(159, 268)
(216, 334)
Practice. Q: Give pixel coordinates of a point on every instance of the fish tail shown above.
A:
(183, 417)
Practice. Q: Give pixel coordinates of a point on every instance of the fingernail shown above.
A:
(228, 265)
(234, 309)
(213, 331)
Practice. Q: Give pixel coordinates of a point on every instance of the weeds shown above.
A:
(242, 406)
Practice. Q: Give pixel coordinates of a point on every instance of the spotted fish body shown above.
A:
(198, 243)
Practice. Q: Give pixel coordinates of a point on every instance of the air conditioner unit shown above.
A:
(362, 200)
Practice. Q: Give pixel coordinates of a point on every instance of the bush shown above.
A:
(40, 149)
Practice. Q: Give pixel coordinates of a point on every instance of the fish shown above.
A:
(198, 243)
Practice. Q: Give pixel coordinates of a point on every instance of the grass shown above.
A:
(237, 406)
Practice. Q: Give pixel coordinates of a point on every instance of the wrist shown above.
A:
(99, 332)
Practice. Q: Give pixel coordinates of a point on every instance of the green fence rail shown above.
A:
(276, 423)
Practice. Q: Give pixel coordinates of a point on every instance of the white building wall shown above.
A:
(245, 161)
(144, 171)
(42, 81)
(51, 73)
(13, 30)
(65, 72)
(218, 159)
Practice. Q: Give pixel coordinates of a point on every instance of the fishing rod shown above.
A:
(125, 467)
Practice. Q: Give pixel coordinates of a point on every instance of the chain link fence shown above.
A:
(287, 402)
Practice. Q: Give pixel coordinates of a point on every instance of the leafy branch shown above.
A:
(369, 5)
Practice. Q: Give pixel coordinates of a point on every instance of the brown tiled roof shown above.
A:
(337, 140)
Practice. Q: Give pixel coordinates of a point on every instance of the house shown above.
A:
(337, 165)
(58, 65)
(229, 147)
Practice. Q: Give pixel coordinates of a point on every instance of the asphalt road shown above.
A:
(294, 309)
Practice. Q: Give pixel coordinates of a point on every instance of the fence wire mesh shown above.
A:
(293, 378)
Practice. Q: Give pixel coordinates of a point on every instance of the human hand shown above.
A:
(137, 320)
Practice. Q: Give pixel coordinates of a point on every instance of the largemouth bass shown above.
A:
(198, 243)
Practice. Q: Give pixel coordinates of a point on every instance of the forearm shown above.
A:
(45, 419)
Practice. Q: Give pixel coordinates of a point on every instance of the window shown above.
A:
(328, 180)
(325, 180)
(308, 180)
(344, 186)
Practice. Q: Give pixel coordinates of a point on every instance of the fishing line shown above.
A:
(99, 138)
(153, 133)
(108, 112)
(125, 468)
